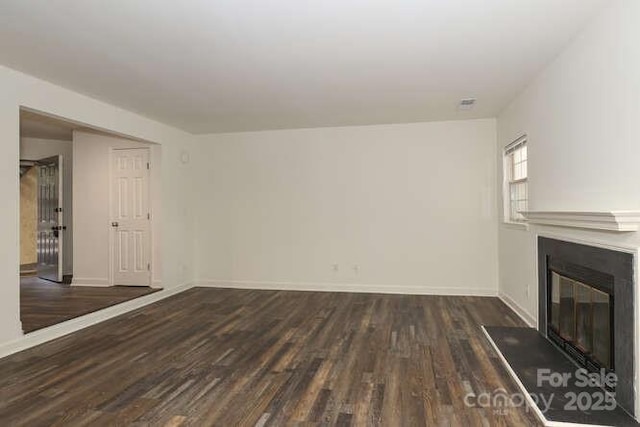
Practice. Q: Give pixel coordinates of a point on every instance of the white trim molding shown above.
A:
(518, 309)
(91, 281)
(61, 329)
(348, 287)
(619, 221)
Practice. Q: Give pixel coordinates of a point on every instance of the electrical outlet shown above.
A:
(335, 267)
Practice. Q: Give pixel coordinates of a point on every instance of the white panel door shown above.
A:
(130, 217)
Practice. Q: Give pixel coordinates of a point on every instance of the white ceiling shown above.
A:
(236, 65)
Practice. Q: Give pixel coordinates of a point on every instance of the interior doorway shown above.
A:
(88, 233)
(46, 202)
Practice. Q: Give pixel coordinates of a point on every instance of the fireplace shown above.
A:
(586, 308)
(580, 318)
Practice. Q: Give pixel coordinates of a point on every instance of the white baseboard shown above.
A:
(346, 287)
(90, 281)
(61, 329)
(518, 309)
(89, 285)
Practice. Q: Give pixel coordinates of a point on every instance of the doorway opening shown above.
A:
(89, 211)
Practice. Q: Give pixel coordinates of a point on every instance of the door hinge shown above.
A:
(148, 216)
(148, 165)
(149, 267)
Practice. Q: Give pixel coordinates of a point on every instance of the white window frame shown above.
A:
(508, 181)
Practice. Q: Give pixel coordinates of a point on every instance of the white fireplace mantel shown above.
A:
(617, 221)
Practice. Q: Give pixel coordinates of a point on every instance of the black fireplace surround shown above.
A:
(586, 307)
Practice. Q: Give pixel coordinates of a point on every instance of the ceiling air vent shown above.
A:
(466, 104)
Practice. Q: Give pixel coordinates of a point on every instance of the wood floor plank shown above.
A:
(44, 303)
(268, 358)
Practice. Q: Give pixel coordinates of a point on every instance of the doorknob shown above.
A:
(115, 224)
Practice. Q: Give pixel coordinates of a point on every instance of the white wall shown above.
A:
(413, 206)
(91, 154)
(581, 115)
(37, 149)
(177, 232)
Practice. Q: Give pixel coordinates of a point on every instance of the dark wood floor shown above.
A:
(239, 357)
(44, 303)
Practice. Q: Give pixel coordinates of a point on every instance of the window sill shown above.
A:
(523, 226)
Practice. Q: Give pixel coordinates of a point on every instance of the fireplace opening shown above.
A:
(580, 315)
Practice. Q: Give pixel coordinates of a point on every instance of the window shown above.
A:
(515, 172)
